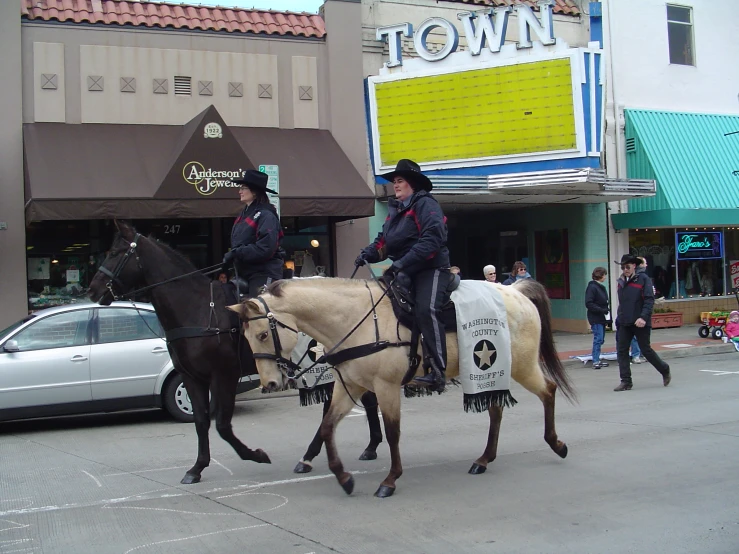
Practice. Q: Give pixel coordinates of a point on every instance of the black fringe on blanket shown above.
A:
(318, 395)
(482, 401)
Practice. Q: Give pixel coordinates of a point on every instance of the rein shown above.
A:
(132, 250)
(173, 334)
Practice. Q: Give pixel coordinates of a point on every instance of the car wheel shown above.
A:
(177, 402)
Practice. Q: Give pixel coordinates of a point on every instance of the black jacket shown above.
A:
(255, 240)
(635, 299)
(596, 301)
(414, 237)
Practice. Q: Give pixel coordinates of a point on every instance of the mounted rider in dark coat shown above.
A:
(414, 237)
(255, 238)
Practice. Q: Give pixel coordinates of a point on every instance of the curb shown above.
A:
(668, 354)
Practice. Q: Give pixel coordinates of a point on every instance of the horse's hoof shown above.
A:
(348, 485)
(303, 467)
(562, 451)
(368, 455)
(477, 469)
(260, 456)
(384, 491)
(190, 479)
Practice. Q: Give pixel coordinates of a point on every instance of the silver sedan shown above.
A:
(88, 358)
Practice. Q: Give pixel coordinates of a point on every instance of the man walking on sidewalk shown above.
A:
(635, 303)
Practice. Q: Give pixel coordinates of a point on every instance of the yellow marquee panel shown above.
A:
(524, 108)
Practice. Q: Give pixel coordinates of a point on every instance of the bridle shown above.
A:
(284, 364)
(115, 274)
(332, 357)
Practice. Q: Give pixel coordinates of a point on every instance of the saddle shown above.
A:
(404, 306)
(402, 299)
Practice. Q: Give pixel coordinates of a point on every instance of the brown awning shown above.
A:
(102, 171)
(316, 177)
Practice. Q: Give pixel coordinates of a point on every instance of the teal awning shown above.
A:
(695, 161)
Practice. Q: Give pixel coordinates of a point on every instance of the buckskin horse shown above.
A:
(203, 344)
(302, 305)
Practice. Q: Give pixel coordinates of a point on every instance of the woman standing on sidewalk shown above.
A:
(596, 301)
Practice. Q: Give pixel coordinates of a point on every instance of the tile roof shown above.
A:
(178, 16)
(562, 7)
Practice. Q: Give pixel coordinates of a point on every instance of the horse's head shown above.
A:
(121, 271)
(272, 338)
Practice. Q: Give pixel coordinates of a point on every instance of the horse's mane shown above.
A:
(177, 258)
(277, 287)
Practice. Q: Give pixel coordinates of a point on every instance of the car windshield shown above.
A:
(15, 325)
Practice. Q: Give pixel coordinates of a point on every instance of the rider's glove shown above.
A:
(361, 260)
(228, 260)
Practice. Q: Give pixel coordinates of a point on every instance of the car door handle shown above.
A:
(79, 358)
(159, 350)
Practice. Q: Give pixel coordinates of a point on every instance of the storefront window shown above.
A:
(63, 256)
(731, 249)
(687, 263)
(307, 245)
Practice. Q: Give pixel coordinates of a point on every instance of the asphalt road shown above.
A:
(649, 470)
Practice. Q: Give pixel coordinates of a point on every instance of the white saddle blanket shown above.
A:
(484, 345)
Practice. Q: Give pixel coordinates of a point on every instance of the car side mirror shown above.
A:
(11, 346)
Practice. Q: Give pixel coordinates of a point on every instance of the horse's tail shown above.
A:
(535, 291)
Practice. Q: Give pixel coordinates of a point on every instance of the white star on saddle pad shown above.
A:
(318, 349)
(485, 355)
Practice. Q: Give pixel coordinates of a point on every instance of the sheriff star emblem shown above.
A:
(485, 354)
(315, 350)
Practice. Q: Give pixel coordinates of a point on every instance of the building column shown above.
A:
(347, 114)
(13, 293)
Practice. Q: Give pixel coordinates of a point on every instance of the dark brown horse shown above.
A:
(203, 343)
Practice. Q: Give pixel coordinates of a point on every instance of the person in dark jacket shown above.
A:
(414, 237)
(635, 303)
(256, 234)
(518, 273)
(596, 301)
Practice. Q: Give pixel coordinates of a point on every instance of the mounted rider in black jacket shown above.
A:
(414, 237)
(256, 235)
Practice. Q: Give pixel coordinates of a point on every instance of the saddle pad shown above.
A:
(484, 346)
(319, 380)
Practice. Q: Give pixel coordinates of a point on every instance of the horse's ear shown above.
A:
(238, 308)
(125, 229)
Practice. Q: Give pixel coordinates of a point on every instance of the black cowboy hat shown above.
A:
(628, 259)
(255, 180)
(411, 172)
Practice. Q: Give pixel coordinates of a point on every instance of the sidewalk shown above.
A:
(681, 342)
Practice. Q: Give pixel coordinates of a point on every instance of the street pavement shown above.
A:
(649, 470)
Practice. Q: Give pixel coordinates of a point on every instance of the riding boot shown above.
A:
(435, 379)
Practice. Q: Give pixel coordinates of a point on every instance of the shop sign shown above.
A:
(273, 171)
(208, 180)
(479, 28)
(734, 269)
(698, 246)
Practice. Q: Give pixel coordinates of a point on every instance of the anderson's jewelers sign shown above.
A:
(208, 180)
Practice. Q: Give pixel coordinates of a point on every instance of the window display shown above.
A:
(688, 263)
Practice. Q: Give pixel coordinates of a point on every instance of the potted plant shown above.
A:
(663, 318)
